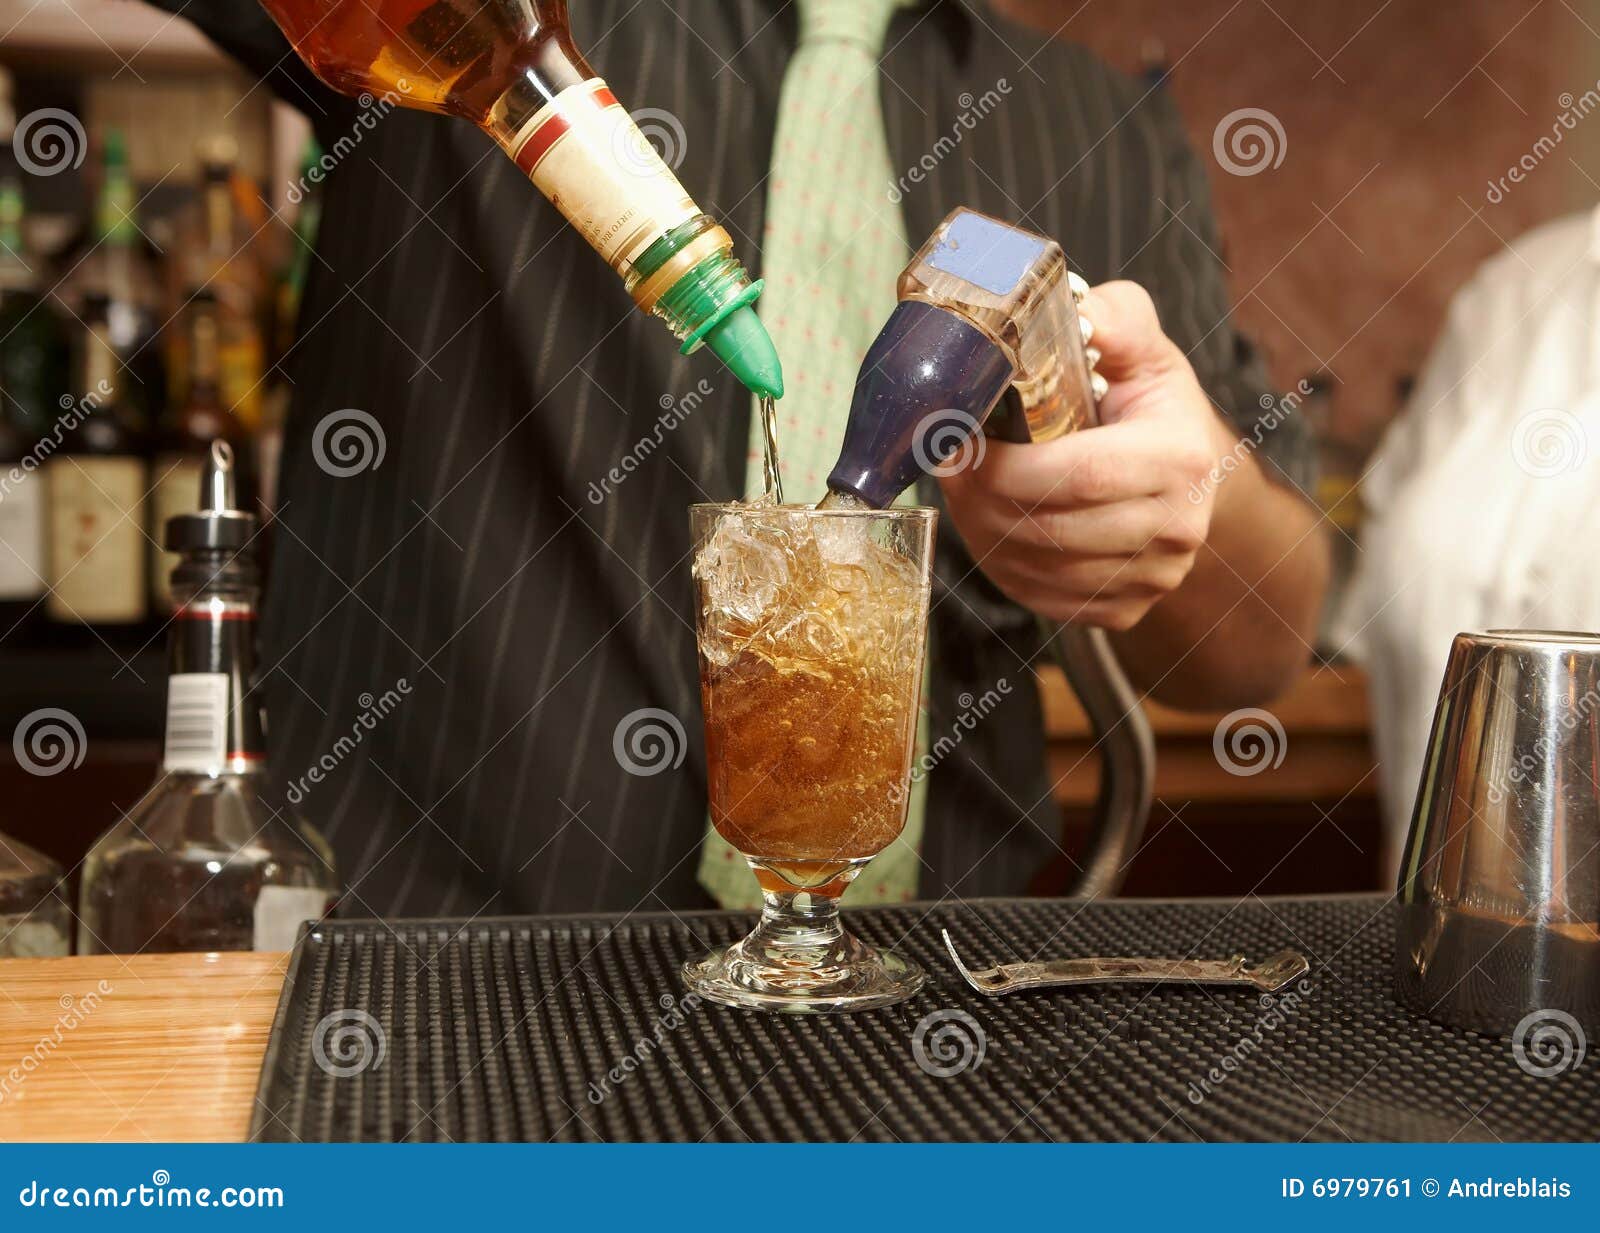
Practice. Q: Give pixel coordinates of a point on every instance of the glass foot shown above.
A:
(801, 960)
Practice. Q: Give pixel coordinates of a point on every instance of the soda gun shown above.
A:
(987, 337)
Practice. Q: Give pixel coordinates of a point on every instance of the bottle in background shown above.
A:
(34, 375)
(111, 264)
(35, 922)
(97, 482)
(184, 442)
(204, 862)
(222, 252)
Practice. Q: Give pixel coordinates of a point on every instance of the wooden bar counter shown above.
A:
(138, 1048)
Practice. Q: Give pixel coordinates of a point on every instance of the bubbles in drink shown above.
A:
(811, 633)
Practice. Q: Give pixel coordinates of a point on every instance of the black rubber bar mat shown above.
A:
(578, 1029)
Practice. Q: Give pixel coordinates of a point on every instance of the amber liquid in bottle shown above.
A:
(455, 56)
(511, 67)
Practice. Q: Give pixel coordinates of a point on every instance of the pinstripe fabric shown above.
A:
(510, 374)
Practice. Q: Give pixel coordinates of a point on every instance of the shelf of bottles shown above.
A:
(147, 295)
(130, 339)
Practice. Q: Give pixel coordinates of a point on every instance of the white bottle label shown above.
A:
(197, 722)
(280, 911)
(583, 151)
(22, 564)
(97, 557)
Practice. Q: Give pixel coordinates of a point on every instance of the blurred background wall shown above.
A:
(1396, 115)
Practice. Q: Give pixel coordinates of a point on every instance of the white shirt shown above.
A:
(1483, 499)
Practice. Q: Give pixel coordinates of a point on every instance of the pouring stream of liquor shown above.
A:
(770, 475)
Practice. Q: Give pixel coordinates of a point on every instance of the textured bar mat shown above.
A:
(578, 1029)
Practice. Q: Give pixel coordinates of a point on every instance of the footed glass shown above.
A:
(811, 626)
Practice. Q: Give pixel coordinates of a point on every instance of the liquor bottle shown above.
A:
(34, 375)
(110, 263)
(222, 253)
(97, 481)
(514, 70)
(185, 440)
(204, 862)
(35, 922)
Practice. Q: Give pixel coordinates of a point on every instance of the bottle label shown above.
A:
(197, 722)
(22, 564)
(97, 557)
(583, 151)
(280, 910)
(176, 491)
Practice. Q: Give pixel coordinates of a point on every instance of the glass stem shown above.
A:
(800, 923)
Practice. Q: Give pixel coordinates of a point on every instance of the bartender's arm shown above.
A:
(1213, 578)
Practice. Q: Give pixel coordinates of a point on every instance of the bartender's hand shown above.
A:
(1215, 584)
(1098, 526)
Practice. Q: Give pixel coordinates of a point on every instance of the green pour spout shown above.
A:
(741, 342)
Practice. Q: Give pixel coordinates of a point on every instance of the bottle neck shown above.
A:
(213, 716)
(204, 378)
(101, 382)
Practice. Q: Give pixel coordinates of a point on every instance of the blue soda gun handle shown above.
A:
(987, 336)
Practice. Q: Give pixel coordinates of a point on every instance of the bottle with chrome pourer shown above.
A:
(205, 861)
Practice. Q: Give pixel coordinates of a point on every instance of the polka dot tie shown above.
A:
(832, 249)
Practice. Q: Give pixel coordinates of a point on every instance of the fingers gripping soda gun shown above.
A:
(987, 335)
(513, 70)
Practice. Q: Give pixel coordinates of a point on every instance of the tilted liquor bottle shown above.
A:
(513, 70)
(204, 861)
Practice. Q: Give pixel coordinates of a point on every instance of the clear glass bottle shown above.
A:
(35, 921)
(205, 862)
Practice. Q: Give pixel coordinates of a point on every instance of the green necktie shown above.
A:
(833, 246)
